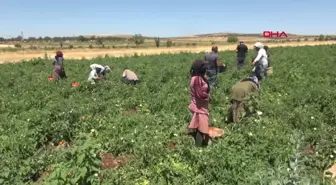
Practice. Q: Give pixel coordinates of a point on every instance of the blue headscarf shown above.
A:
(253, 79)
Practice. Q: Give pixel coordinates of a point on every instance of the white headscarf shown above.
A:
(259, 45)
(107, 68)
(255, 80)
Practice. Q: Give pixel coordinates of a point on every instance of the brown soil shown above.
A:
(111, 162)
(129, 112)
(310, 149)
(6, 57)
(171, 146)
(43, 177)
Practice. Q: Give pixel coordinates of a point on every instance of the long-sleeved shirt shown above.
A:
(199, 95)
(261, 57)
(58, 61)
(96, 71)
(242, 90)
(97, 67)
(130, 75)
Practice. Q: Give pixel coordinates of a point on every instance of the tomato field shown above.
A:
(53, 133)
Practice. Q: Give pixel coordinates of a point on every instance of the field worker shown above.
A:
(242, 50)
(213, 60)
(260, 62)
(239, 94)
(58, 66)
(97, 71)
(129, 77)
(200, 97)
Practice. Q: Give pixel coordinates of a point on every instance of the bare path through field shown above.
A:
(9, 57)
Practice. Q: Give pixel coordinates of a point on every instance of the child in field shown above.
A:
(129, 77)
(200, 97)
(239, 94)
(97, 72)
(58, 66)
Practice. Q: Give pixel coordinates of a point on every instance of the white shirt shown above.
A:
(94, 66)
(262, 57)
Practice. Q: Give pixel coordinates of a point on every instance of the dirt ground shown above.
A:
(9, 57)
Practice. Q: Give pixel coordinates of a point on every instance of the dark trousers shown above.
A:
(260, 71)
(200, 138)
(132, 82)
(236, 110)
(240, 62)
(212, 74)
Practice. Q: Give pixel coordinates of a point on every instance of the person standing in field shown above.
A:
(199, 104)
(58, 72)
(97, 72)
(242, 50)
(213, 60)
(239, 94)
(129, 77)
(260, 61)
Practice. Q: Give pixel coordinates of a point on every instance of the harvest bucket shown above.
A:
(75, 84)
(215, 132)
(50, 78)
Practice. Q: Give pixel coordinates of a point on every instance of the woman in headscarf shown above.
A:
(239, 94)
(200, 97)
(129, 77)
(97, 72)
(58, 66)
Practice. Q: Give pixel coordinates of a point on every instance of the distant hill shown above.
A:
(219, 34)
(224, 34)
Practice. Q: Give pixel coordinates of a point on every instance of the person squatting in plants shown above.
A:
(213, 60)
(97, 72)
(242, 50)
(239, 94)
(200, 98)
(260, 61)
(58, 71)
(129, 77)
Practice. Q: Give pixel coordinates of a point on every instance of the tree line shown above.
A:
(74, 38)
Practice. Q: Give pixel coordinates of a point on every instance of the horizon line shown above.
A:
(182, 36)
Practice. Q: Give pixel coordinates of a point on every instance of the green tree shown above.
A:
(47, 38)
(82, 38)
(138, 39)
(169, 43)
(321, 38)
(157, 41)
(232, 38)
(99, 41)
